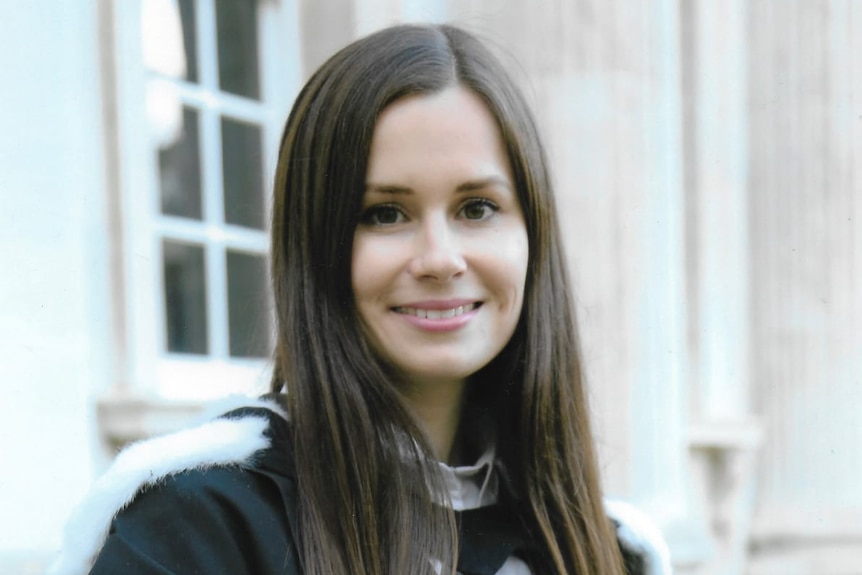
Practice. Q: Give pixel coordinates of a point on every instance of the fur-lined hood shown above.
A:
(234, 441)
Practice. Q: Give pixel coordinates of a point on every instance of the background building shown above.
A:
(708, 159)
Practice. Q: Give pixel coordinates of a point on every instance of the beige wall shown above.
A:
(325, 27)
(806, 210)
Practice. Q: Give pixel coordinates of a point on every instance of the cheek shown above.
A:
(520, 258)
(520, 264)
(515, 250)
(363, 285)
(505, 267)
(360, 274)
(373, 267)
(364, 262)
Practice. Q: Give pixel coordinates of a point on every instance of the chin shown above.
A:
(455, 371)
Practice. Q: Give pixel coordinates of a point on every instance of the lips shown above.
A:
(435, 311)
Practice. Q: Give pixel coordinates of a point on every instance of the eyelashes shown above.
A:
(390, 214)
(478, 209)
(382, 215)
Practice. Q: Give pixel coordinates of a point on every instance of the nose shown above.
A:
(437, 255)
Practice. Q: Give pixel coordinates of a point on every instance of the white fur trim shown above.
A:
(142, 464)
(637, 533)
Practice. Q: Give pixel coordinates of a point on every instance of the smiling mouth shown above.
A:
(437, 313)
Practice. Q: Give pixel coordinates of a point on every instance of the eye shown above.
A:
(478, 209)
(382, 215)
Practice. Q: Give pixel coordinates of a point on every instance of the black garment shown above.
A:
(241, 520)
(233, 520)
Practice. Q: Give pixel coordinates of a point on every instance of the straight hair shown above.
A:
(367, 484)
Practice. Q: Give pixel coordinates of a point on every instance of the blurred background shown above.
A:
(708, 162)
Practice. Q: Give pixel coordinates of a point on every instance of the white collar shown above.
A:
(473, 486)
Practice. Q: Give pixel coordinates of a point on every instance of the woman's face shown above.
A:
(440, 254)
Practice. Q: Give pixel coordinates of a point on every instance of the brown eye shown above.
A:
(478, 209)
(382, 216)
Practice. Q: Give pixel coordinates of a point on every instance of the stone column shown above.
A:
(723, 435)
(806, 208)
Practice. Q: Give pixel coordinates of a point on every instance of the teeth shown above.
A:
(437, 313)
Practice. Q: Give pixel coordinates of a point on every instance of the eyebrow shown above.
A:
(469, 186)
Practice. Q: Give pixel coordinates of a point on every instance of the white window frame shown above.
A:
(151, 370)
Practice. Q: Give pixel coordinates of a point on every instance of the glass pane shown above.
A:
(242, 176)
(237, 47)
(187, 15)
(185, 297)
(180, 171)
(248, 305)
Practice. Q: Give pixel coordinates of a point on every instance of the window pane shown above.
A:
(179, 171)
(187, 15)
(242, 168)
(237, 47)
(248, 305)
(185, 297)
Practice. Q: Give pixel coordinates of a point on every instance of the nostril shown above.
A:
(439, 265)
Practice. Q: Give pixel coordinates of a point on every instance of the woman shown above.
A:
(426, 358)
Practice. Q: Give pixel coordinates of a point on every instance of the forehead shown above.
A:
(423, 112)
(452, 130)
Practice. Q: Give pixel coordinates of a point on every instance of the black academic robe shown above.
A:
(240, 518)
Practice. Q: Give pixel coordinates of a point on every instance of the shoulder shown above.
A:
(205, 479)
(220, 520)
(641, 542)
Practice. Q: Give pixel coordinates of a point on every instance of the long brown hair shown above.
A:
(366, 482)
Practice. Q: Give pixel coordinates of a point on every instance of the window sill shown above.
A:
(127, 417)
(744, 434)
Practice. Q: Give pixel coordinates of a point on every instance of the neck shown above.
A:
(437, 406)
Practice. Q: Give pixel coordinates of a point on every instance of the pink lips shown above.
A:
(439, 315)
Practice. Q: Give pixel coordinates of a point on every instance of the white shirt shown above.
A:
(478, 485)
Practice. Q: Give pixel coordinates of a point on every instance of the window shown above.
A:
(203, 89)
(212, 212)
